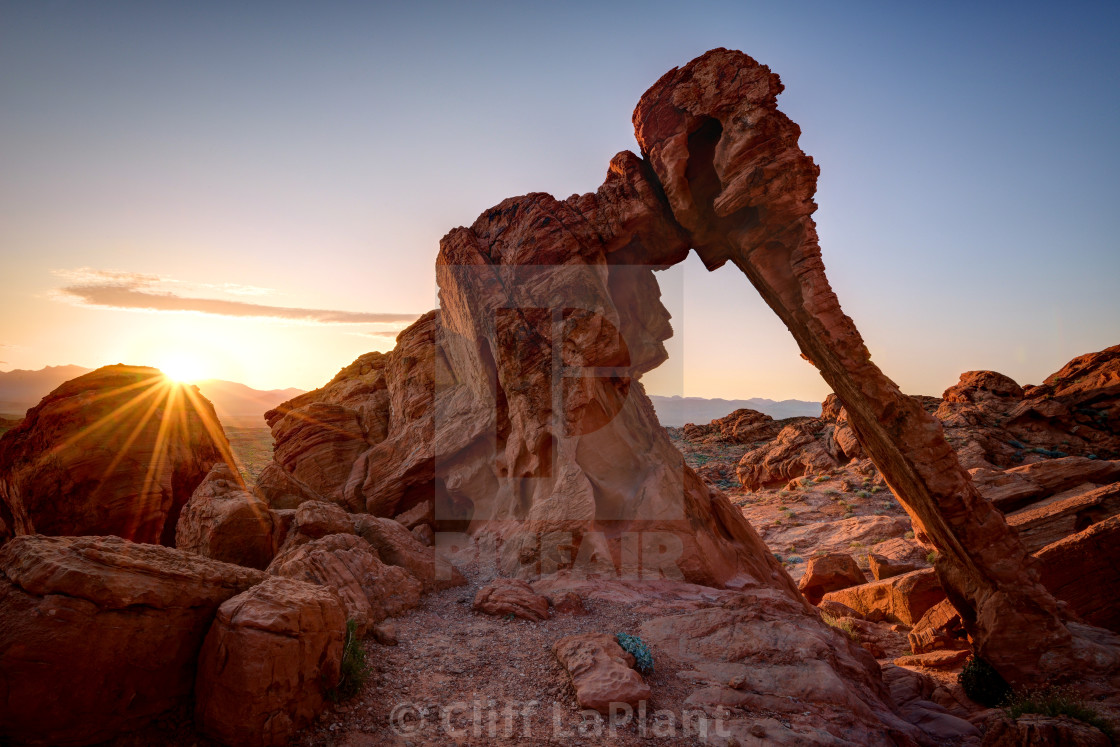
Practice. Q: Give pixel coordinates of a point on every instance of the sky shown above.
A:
(256, 191)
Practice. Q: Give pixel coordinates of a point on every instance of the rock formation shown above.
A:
(737, 182)
(117, 451)
(225, 521)
(602, 673)
(267, 661)
(99, 635)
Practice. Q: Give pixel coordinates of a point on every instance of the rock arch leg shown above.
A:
(757, 214)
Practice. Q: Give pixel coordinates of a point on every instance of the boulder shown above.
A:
(397, 546)
(934, 659)
(883, 567)
(827, 573)
(95, 457)
(223, 520)
(511, 596)
(916, 697)
(346, 564)
(1036, 730)
(836, 610)
(939, 628)
(1083, 570)
(602, 673)
(902, 599)
(1012, 489)
(99, 635)
(269, 656)
(315, 519)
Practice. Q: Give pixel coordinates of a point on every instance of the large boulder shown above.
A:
(98, 635)
(225, 521)
(117, 451)
(901, 599)
(602, 673)
(511, 596)
(397, 546)
(827, 573)
(268, 659)
(346, 564)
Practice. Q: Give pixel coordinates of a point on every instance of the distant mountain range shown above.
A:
(676, 411)
(241, 406)
(237, 405)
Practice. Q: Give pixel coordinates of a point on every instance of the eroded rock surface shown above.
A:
(117, 451)
(223, 520)
(99, 635)
(511, 596)
(602, 673)
(268, 659)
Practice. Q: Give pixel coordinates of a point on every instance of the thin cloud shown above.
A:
(135, 291)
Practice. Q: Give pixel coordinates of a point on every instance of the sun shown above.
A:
(181, 367)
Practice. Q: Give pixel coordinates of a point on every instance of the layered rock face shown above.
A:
(117, 451)
(98, 635)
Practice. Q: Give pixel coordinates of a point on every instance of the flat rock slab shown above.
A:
(902, 599)
(934, 659)
(511, 596)
(601, 671)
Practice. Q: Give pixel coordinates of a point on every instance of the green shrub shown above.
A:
(932, 557)
(844, 626)
(983, 683)
(355, 670)
(636, 647)
(1057, 701)
(909, 535)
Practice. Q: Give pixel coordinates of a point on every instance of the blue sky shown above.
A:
(310, 156)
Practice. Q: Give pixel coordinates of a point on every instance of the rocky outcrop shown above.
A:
(602, 673)
(1062, 515)
(363, 441)
(1036, 730)
(511, 596)
(737, 182)
(827, 573)
(1012, 489)
(369, 590)
(797, 450)
(99, 635)
(397, 546)
(1083, 570)
(939, 628)
(223, 520)
(269, 656)
(740, 427)
(901, 599)
(117, 451)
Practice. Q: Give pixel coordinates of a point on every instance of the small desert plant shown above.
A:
(844, 626)
(983, 683)
(863, 494)
(355, 669)
(932, 557)
(1056, 701)
(636, 647)
(909, 535)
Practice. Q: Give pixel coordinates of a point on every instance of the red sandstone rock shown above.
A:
(740, 427)
(1047, 522)
(1034, 730)
(568, 603)
(883, 567)
(224, 521)
(601, 672)
(370, 590)
(827, 573)
(1012, 489)
(511, 596)
(266, 661)
(742, 189)
(117, 451)
(99, 635)
(1084, 571)
(939, 628)
(935, 659)
(795, 452)
(918, 700)
(976, 386)
(901, 599)
(836, 610)
(315, 519)
(396, 545)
